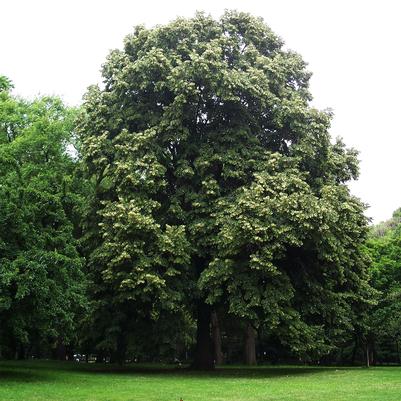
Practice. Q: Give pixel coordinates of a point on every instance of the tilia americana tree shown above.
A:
(216, 185)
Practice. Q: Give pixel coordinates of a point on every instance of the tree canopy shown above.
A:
(216, 184)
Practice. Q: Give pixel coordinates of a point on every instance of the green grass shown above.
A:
(52, 381)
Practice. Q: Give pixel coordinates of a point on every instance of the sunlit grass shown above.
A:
(53, 381)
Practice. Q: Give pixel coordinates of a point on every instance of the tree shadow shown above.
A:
(30, 371)
(219, 372)
(22, 376)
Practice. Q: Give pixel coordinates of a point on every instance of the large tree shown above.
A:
(215, 183)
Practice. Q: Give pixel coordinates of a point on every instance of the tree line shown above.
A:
(194, 208)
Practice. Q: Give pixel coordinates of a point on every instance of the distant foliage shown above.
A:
(384, 249)
(388, 226)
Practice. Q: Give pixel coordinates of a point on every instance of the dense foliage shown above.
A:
(195, 208)
(216, 185)
(384, 248)
(41, 277)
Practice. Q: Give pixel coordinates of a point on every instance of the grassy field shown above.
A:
(51, 381)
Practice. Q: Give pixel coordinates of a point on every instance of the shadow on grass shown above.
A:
(22, 376)
(36, 370)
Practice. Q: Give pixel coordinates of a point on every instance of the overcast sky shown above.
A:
(352, 47)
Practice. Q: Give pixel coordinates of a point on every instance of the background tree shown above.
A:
(384, 249)
(41, 278)
(216, 184)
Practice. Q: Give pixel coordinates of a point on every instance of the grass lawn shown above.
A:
(54, 381)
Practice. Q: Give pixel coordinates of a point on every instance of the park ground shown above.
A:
(54, 381)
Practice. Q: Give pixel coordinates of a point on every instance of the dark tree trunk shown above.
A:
(13, 349)
(250, 345)
(60, 350)
(354, 350)
(216, 335)
(99, 357)
(372, 354)
(341, 357)
(203, 353)
(118, 356)
(21, 352)
(69, 353)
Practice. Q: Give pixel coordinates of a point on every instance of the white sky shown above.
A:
(352, 47)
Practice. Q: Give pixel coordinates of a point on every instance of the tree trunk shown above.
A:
(203, 354)
(373, 354)
(354, 350)
(216, 335)
(250, 345)
(14, 349)
(21, 352)
(69, 353)
(99, 357)
(60, 351)
(118, 356)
